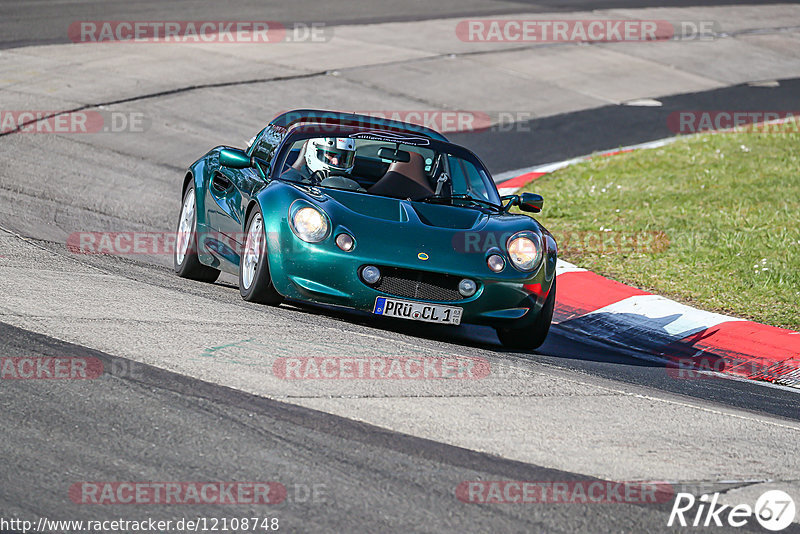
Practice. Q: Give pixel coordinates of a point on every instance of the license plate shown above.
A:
(417, 311)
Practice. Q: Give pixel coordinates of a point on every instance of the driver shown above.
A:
(326, 155)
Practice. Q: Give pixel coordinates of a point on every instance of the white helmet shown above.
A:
(330, 154)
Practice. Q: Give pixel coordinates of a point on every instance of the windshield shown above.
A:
(419, 169)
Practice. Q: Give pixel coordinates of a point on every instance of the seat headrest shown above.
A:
(414, 169)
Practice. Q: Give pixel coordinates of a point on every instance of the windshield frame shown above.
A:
(310, 131)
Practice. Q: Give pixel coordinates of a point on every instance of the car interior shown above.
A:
(381, 170)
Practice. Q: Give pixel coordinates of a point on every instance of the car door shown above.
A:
(232, 189)
(224, 204)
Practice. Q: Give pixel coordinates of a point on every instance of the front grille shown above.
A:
(419, 284)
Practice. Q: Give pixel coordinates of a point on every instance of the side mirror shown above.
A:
(234, 158)
(531, 202)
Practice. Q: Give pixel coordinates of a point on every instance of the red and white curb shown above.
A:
(693, 343)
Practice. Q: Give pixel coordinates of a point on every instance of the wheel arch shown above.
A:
(186, 181)
(250, 207)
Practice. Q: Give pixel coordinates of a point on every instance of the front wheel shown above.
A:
(531, 337)
(185, 260)
(255, 283)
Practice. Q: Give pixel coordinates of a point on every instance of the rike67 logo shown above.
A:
(774, 510)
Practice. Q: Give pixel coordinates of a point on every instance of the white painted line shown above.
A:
(546, 168)
(567, 267)
(551, 167)
(641, 146)
(644, 102)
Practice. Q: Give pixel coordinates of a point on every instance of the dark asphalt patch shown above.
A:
(560, 137)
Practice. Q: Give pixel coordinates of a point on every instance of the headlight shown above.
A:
(525, 251)
(310, 225)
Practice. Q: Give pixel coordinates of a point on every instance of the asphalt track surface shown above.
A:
(561, 137)
(171, 427)
(155, 424)
(340, 475)
(28, 22)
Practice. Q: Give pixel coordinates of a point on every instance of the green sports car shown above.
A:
(369, 214)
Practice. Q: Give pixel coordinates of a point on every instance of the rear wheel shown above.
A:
(186, 262)
(255, 283)
(531, 337)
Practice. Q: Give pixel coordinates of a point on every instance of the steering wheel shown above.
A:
(317, 177)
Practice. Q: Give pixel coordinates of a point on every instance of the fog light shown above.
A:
(467, 287)
(345, 242)
(496, 262)
(371, 274)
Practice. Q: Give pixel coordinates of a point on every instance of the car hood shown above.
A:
(396, 210)
(414, 235)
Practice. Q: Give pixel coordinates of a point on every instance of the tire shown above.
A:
(185, 260)
(531, 337)
(255, 283)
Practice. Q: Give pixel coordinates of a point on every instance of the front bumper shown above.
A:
(324, 274)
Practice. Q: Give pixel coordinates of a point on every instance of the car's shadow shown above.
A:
(561, 344)
(466, 335)
(565, 345)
